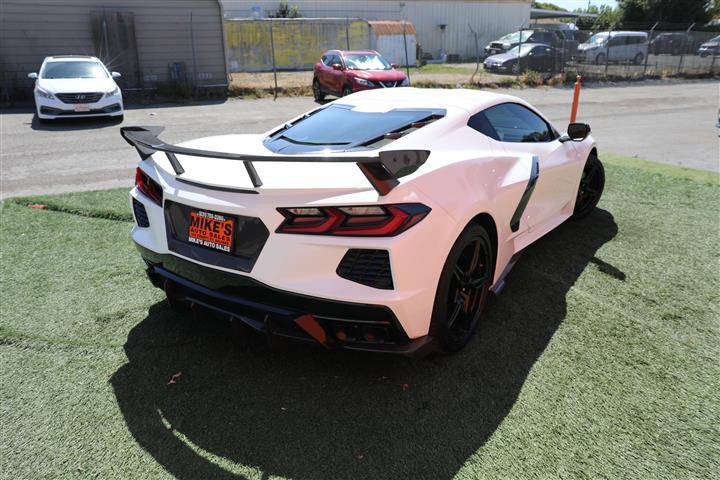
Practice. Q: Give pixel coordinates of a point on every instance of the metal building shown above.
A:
(443, 27)
(148, 41)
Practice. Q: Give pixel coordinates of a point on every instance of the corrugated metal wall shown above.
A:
(298, 43)
(491, 19)
(33, 29)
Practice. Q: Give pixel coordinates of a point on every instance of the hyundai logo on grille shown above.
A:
(79, 97)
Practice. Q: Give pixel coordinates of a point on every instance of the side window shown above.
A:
(480, 123)
(324, 59)
(514, 123)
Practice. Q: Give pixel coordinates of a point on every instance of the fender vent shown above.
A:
(140, 214)
(367, 267)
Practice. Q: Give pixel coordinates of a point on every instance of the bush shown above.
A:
(532, 78)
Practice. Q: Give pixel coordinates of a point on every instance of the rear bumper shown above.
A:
(273, 312)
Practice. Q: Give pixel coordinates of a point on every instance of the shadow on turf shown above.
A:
(304, 413)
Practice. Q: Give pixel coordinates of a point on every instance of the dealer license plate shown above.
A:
(211, 230)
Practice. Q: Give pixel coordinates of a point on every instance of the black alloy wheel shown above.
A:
(463, 289)
(592, 183)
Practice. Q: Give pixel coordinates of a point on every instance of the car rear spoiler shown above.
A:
(382, 171)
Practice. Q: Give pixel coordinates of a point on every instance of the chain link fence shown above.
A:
(613, 53)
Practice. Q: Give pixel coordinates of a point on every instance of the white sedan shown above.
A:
(76, 86)
(381, 221)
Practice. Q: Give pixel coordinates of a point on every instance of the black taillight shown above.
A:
(149, 187)
(357, 221)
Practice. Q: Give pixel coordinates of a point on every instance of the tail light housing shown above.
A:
(352, 221)
(149, 187)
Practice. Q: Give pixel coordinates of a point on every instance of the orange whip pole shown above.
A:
(576, 99)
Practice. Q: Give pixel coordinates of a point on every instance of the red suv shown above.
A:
(341, 73)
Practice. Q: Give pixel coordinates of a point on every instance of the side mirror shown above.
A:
(336, 66)
(577, 132)
(115, 74)
(394, 65)
(33, 76)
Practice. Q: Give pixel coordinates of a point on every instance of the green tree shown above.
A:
(286, 11)
(644, 13)
(547, 6)
(606, 17)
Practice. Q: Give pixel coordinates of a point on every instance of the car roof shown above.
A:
(71, 58)
(356, 52)
(628, 34)
(469, 100)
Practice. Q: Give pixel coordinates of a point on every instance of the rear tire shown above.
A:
(591, 187)
(638, 59)
(463, 289)
(317, 91)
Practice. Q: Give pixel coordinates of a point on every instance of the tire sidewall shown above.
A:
(594, 159)
(438, 322)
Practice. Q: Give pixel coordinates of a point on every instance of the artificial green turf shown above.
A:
(599, 360)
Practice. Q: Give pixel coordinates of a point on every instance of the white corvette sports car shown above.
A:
(381, 221)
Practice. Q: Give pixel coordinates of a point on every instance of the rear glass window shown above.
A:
(73, 70)
(341, 125)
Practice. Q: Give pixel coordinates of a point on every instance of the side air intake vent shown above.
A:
(140, 214)
(368, 267)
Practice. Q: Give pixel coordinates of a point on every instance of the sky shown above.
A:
(573, 4)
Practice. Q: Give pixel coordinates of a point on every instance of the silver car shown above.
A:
(618, 47)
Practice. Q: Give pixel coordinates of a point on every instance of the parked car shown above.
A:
(673, 43)
(618, 47)
(563, 42)
(341, 73)
(76, 86)
(711, 47)
(528, 56)
(378, 222)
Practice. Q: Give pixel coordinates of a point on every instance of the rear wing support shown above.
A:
(382, 171)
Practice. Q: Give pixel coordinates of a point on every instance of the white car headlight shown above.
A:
(113, 91)
(44, 93)
(405, 82)
(362, 81)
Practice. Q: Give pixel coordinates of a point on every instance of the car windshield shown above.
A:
(73, 70)
(525, 49)
(366, 61)
(342, 125)
(515, 37)
(715, 40)
(598, 39)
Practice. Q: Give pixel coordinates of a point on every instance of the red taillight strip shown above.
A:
(334, 221)
(149, 187)
(332, 218)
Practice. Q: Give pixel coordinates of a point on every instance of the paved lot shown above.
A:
(664, 122)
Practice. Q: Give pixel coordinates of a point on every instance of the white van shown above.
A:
(618, 47)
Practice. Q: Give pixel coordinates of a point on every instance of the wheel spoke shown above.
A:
(478, 282)
(455, 314)
(458, 273)
(475, 258)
